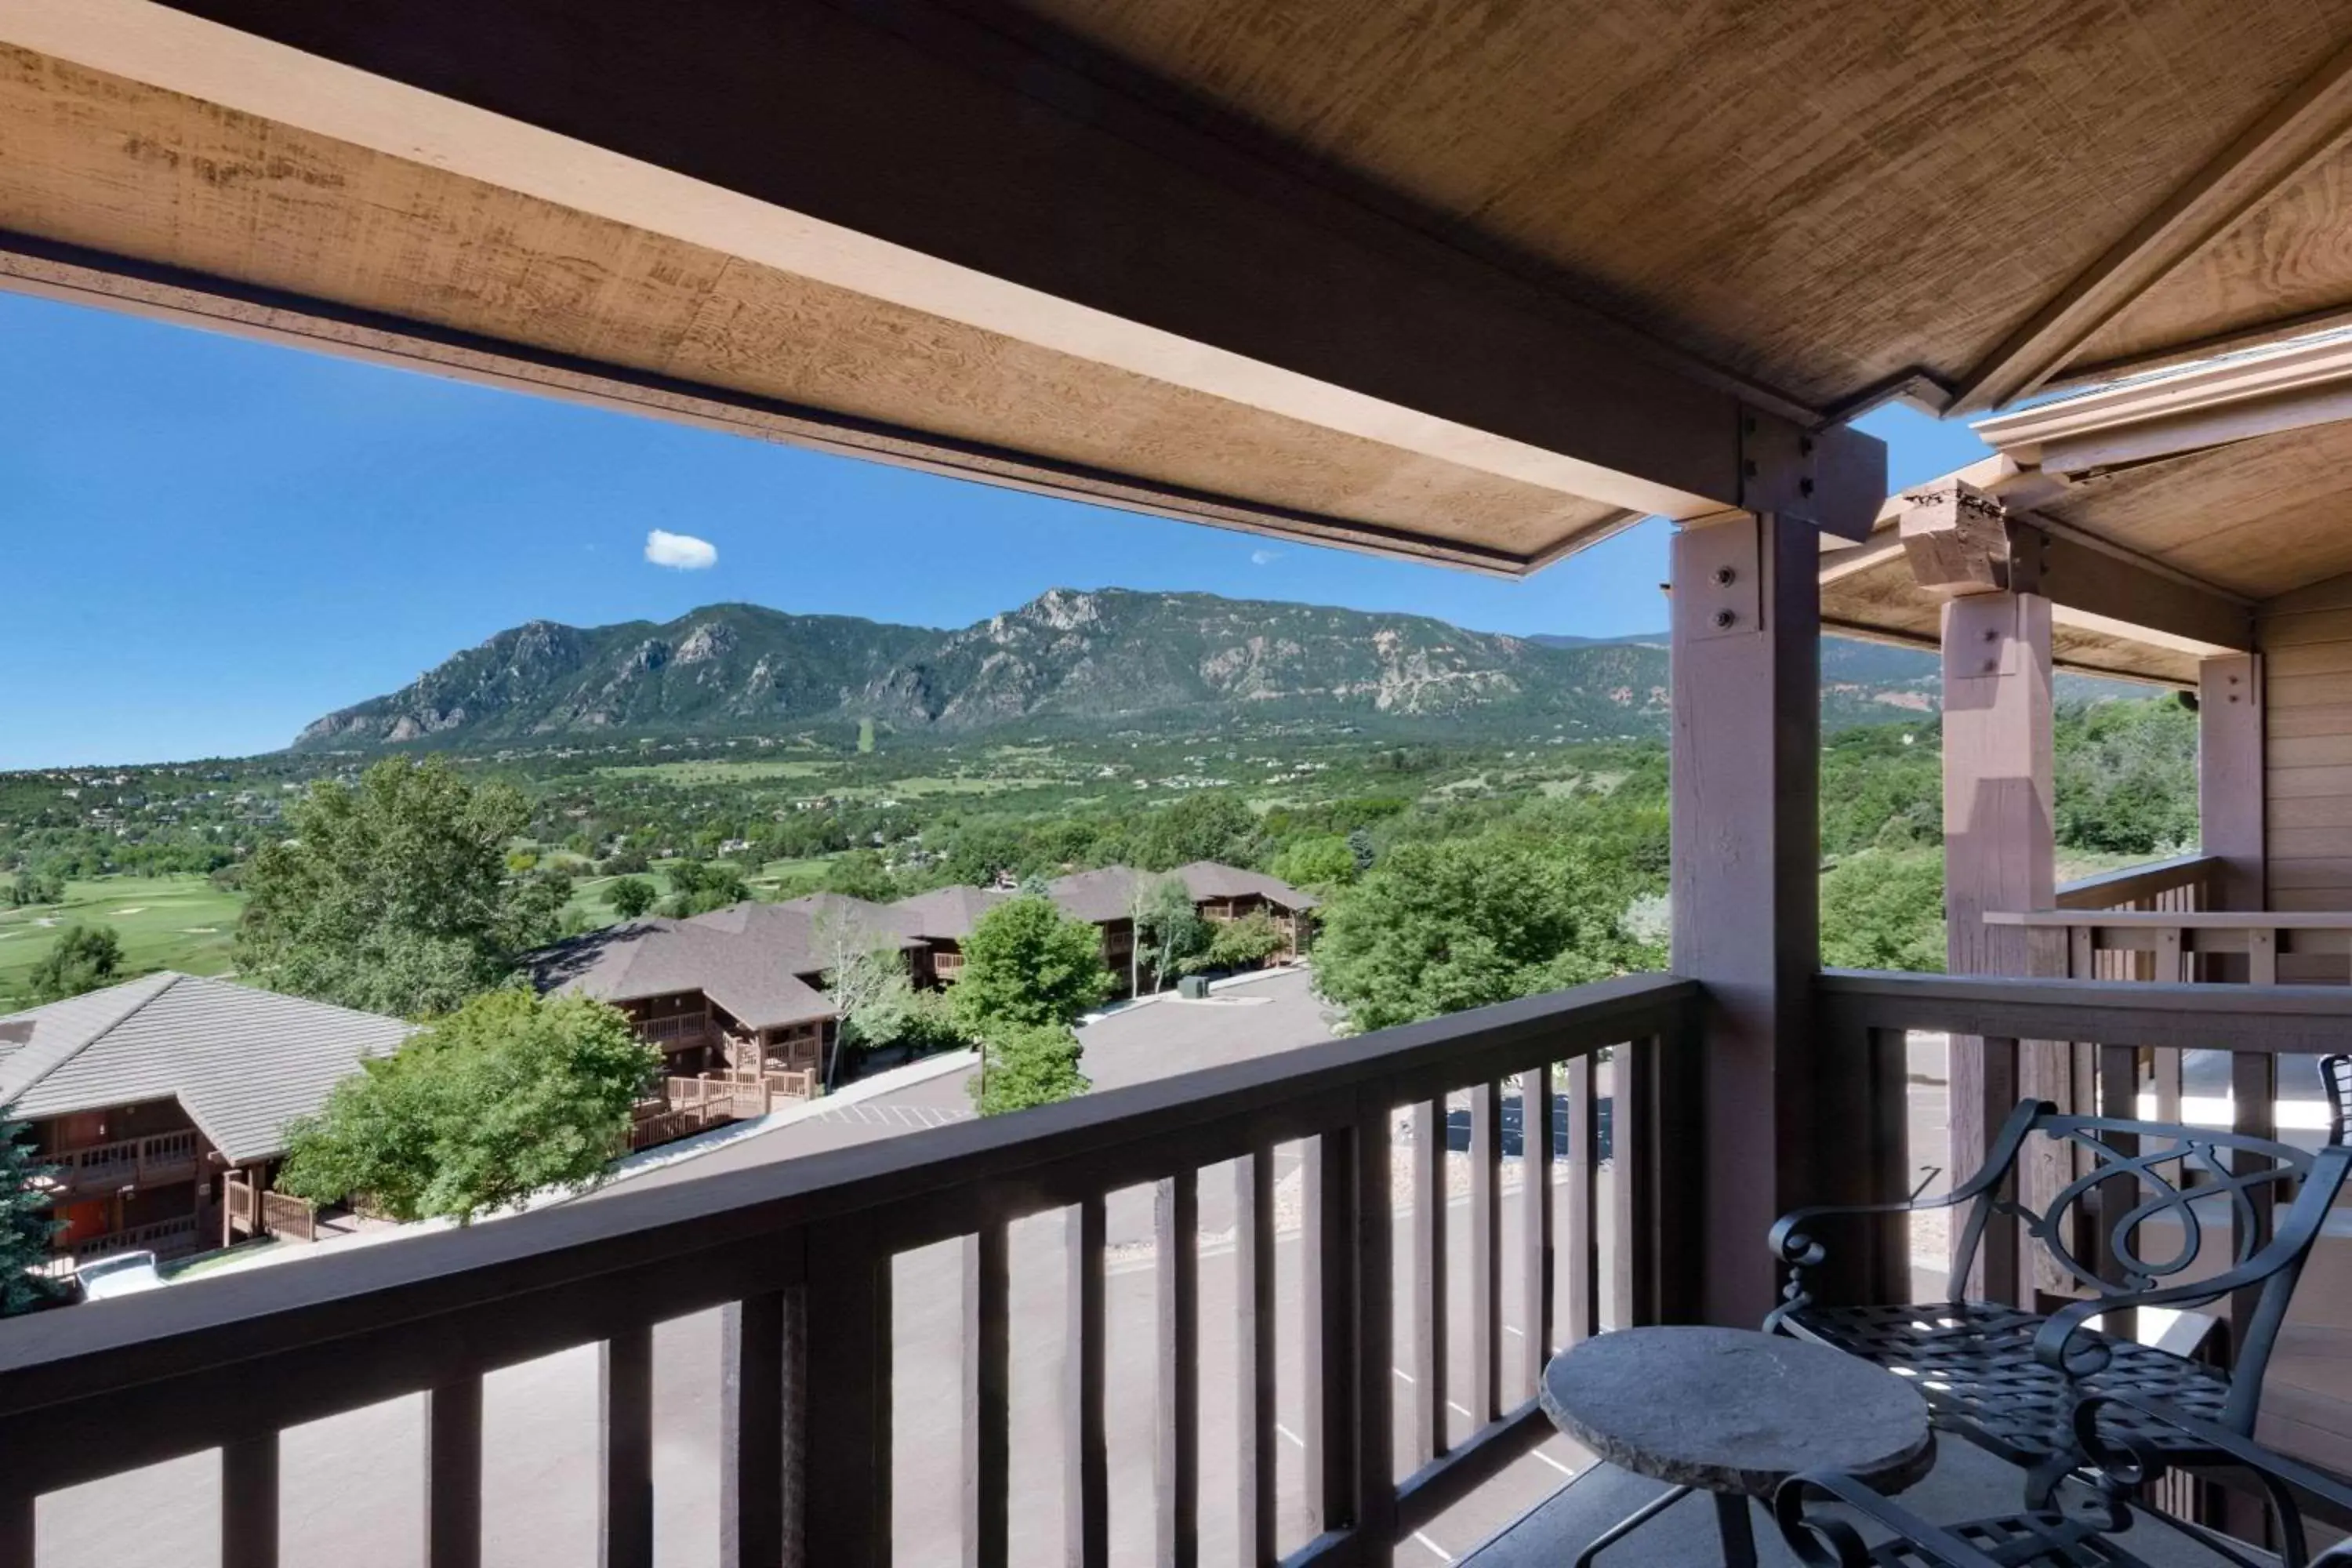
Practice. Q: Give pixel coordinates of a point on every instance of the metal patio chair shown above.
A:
(2008, 1379)
(2335, 1077)
(1828, 1537)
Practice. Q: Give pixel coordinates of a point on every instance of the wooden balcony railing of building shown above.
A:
(2113, 1033)
(165, 1239)
(800, 1255)
(2166, 946)
(132, 1162)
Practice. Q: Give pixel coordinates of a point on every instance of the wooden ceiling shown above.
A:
(1478, 282)
(1819, 194)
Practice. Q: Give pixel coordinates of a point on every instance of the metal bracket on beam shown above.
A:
(1719, 574)
(1833, 478)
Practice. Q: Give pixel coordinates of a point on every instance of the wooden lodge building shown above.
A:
(1106, 898)
(735, 992)
(161, 1105)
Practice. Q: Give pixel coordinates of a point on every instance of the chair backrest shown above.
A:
(2336, 1079)
(2150, 1234)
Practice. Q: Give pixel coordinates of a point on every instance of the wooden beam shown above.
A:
(2297, 130)
(2230, 778)
(1013, 179)
(1955, 539)
(1746, 867)
(1961, 540)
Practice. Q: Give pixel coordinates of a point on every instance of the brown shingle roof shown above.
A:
(751, 976)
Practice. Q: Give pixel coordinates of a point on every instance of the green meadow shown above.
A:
(165, 922)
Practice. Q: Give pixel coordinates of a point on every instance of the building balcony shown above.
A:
(1327, 1338)
(129, 1163)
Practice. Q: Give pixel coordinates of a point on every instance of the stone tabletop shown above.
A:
(1731, 1410)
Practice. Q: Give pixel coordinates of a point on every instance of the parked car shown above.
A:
(123, 1274)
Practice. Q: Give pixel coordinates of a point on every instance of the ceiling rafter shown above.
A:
(2292, 135)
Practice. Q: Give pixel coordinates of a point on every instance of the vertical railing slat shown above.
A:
(1535, 1226)
(1485, 1252)
(987, 1397)
(2253, 1111)
(1583, 1201)
(844, 1414)
(1085, 1483)
(751, 1433)
(249, 1502)
(1254, 1346)
(1176, 1452)
(1371, 1239)
(1429, 1347)
(625, 1395)
(453, 1474)
(1328, 1277)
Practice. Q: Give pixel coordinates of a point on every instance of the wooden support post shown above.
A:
(2000, 854)
(2230, 777)
(1746, 894)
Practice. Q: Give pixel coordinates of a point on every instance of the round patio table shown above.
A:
(1733, 1412)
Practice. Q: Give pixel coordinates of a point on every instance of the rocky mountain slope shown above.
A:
(1095, 660)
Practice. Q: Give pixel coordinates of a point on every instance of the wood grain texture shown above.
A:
(2232, 783)
(1462, 113)
(94, 161)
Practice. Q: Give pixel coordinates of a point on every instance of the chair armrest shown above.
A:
(1791, 1245)
(2276, 1470)
(1823, 1540)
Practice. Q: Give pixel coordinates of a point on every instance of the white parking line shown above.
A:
(1425, 1540)
(1289, 1434)
(1555, 1464)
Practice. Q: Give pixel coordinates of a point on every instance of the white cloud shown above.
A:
(681, 550)
(1260, 557)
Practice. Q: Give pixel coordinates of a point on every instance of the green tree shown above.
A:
(860, 874)
(1436, 927)
(27, 1223)
(630, 897)
(2127, 776)
(1026, 964)
(507, 1096)
(1238, 943)
(868, 982)
(83, 958)
(392, 895)
(1028, 1065)
(1169, 929)
(1214, 825)
(1882, 910)
(1321, 862)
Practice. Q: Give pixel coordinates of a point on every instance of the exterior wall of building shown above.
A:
(128, 1175)
(2306, 643)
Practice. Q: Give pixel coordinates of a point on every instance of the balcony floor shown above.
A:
(1966, 1484)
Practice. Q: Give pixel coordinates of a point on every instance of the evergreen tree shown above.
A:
(26, 1225)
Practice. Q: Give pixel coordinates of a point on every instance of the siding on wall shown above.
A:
(2307, 642)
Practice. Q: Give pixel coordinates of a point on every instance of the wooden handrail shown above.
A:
(2269, 1020)
(807, 1245)
(2176, 920)
(2129, 885)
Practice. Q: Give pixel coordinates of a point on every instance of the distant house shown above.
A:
(1106, 898)
(942, 918)
(737, 991)
(158, 1100)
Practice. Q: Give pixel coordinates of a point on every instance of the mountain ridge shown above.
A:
(1091, 659)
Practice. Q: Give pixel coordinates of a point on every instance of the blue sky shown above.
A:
(211, 542)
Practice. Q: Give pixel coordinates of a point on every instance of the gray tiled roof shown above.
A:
(242, 1062)
(751, 978)
(946, 914)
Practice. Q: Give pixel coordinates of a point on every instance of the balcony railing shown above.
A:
(801, 1254)
(133, 1162)
(2118, 1048)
